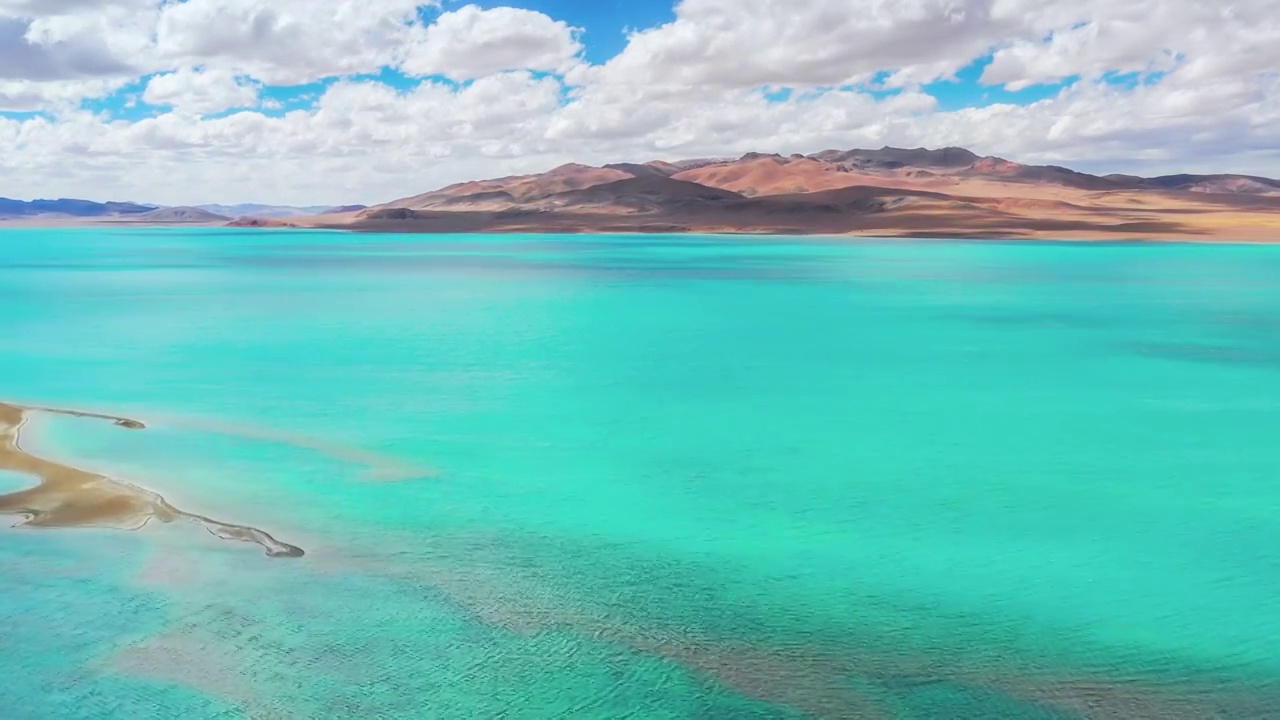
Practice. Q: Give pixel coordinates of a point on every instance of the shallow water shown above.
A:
(650, 476)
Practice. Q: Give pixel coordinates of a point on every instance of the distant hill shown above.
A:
(181, 215)
(1240, 184)
(265, 211)
(67, 207)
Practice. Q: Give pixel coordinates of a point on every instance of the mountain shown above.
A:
(638, 195)
(484, 195)
(755, 175)
(946, 192)
(67, 207)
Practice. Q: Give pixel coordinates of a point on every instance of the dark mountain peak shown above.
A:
(892, 158)
(760, 156)
(652, 169)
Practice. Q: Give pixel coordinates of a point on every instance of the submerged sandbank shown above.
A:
(68, 497)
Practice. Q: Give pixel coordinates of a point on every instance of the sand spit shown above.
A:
(68, 497)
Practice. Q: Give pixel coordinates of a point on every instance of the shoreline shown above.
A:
(1254, 236)
(69, 497)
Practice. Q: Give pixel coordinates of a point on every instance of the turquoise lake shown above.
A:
(648, 477)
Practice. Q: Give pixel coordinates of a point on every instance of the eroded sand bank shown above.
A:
(68, 497)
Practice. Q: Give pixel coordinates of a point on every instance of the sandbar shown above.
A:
(68, 497)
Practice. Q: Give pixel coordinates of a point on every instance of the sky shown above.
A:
(361, 101)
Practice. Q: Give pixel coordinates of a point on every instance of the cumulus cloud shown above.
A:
(807, 43)
(31, 96)
(1092, 38)
(49, 8)
(201, 91)
(1153, 86)
(286, 41)
(54, 54)
(469, 43)
(37, 51)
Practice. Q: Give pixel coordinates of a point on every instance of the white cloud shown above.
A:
(1093, 38)
(56, 49)
(51, 8)
(200, 91)
(806, 43)
(364, 140)
(32, 96)
(55, 54)
(286, 41)
(1088, 50)
(469, 43)
(691, 87)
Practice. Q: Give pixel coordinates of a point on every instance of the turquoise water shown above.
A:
(650, 477)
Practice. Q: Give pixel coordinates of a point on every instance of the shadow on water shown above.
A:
(1203, 352)
(1046, 320)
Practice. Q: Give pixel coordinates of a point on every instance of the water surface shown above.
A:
(649, 476)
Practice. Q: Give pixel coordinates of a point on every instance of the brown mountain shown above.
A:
(948, 192)
(641, 195)
(774, 175)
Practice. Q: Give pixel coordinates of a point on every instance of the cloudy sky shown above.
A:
(343, 101)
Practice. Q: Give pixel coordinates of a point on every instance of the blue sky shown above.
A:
(605, 23)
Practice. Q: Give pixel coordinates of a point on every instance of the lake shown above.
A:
(648, 476)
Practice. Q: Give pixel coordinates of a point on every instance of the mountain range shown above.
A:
(947, 192)
(69, 207)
